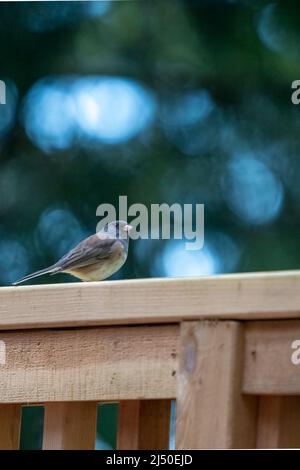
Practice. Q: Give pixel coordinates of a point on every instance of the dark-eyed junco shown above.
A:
(95, 258)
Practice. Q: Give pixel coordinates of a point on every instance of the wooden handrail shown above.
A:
(250, 296)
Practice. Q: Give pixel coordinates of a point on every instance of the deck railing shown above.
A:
(222, 347)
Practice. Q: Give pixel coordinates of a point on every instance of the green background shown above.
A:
(162, 101)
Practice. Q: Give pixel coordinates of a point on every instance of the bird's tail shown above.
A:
(50, 270)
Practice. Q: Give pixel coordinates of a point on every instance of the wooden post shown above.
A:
(279, 422)
(211, 410)
(70, 426)
(10, 421)
(144, 424)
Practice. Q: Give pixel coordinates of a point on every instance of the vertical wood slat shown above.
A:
(70, 425)
(278, 422)
(128, 425)
(10, 423)
(144, 425)
(211, 410)
(154, 424)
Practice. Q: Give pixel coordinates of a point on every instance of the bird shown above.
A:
(95, 258)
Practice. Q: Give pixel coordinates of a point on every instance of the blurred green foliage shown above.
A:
(162, 101)
(107, 426)
(32, 428)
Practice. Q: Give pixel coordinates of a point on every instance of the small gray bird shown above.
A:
(95, 258)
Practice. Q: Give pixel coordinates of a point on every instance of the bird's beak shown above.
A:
(127, 228)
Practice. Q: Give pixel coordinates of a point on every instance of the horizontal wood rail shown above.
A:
(220, 346)
(250, 296)
(99, 364)
(269, 369)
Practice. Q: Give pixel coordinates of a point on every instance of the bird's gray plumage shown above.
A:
(98, 256)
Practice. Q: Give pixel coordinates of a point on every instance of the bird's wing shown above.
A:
(89, 251)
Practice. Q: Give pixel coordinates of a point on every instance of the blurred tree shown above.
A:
(174, 101)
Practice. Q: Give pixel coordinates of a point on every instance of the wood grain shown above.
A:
(144, 425)
(268, 353)
(279, 422)
(211, 410)
(93, 364)
(239, 296)
(128, 425)
(10, 421)
(70, 426)
(154, 424)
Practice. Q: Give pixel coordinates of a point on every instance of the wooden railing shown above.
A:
(221, 346)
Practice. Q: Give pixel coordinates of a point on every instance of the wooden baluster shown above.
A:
(154, 424)
(279, 422)
(211, 410)
(128, 425)
(10, 423)
(70, 425)
(144, 424)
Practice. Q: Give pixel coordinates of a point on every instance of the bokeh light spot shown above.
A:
(60, 112)
(188, 109)
(14, 260)
(178, 262)
(252, 190)
(275, 33)
(59, 231)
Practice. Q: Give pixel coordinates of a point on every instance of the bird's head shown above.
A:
(118, 229)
